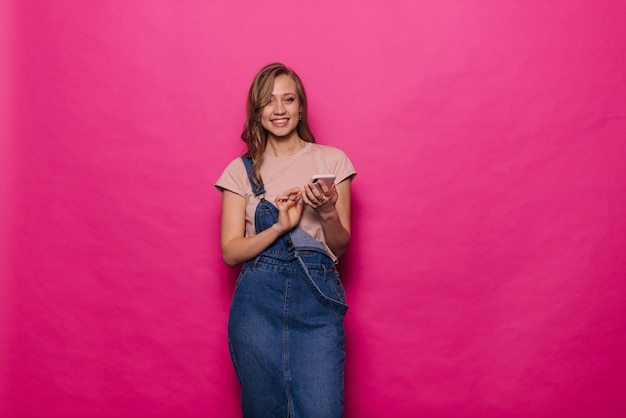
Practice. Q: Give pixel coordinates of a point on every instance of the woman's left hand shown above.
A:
(319, 196)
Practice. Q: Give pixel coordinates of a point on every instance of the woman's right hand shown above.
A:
(289, 209)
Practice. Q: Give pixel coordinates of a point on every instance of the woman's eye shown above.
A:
(290, 100)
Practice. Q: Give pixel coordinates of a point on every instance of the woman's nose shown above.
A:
(279, 108)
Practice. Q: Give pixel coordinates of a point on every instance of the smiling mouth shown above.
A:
(280, 121)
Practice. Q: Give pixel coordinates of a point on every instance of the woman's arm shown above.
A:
(236, 248)
(334, 213)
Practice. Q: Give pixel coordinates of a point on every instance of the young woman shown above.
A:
(285, 328)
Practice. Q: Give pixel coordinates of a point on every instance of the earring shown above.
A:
(300, 116)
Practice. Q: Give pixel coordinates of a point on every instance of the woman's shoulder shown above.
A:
(233, 177)
(235, 165)
(329, 150)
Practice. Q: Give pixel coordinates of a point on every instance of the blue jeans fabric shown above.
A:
(285, 329)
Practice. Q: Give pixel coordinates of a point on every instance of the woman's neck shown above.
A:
(284, 147)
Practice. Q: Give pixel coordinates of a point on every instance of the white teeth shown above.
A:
(280, 120)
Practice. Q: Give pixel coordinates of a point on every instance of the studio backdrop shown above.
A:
(486, 275)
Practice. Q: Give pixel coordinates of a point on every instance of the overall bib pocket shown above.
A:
(322, 279)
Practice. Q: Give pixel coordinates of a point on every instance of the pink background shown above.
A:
(486, 274)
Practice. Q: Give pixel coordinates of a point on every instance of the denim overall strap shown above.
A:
(266, 215)
(258, 191)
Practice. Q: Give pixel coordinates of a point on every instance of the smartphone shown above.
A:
(328, 179)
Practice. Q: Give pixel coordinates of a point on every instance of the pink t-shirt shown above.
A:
(282, 174)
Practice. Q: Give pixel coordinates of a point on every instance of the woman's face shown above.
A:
(280, 115)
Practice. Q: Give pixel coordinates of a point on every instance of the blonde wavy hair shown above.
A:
(260, 93)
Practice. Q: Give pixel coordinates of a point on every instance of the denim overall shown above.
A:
(285, 329)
